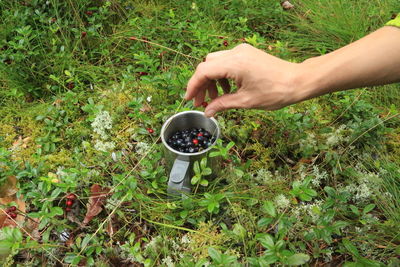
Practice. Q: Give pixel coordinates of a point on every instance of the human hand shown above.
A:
(263, 81)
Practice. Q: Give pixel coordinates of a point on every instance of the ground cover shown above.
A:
(85, 89)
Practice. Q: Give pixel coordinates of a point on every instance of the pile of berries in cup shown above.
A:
(70, 199)
(191, 140)
(11, 211)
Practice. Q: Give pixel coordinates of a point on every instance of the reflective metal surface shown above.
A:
(180, 164)
(185, 120)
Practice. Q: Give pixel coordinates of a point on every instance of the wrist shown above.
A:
(310, 80)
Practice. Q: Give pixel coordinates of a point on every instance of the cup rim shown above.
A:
(168, 121)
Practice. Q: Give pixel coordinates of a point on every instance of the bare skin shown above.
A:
(267, 82)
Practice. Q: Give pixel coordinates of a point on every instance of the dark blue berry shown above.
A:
(191, 140)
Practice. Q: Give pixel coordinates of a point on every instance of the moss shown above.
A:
(261, 155)
(207, 235)
(7, 135)
(60, 158)
(393, 145)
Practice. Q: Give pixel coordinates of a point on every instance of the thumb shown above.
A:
(224, 102)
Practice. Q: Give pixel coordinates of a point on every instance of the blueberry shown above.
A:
(179, 142)
(189, 144)
(191, 140)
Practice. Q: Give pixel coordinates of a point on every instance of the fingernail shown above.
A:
(209, 113)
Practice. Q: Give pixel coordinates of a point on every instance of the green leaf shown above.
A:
(56, 211)
(305, 197)
(214, 154)
(206, 171)
(266, 241)
(298, 259)
(368, 208)
(211, 206)
(203, 163)
(85, 241)
(195, 179)
(76, 260)
(310, 192)
(183, 214)
(351, 264)
(296, 184)
(279, 244)
(17, 235)
(239, 230)
(340, 224)
(329, 190)
(354, 209)
(196, 167)
(214, 254)
(269, 208)
(201, 262)
(230, 145)
(204, 182)
(264, 222)
(350, 247)
(5, 248)
(68, 73)
(328, 216)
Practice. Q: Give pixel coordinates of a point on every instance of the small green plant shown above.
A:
(269, 208)
(221, 150)
(8, 167)
(302, 190)
(221, 260)
(276, 252)
(54, 122)
(200, 171)
(212, 202)
(11, 240)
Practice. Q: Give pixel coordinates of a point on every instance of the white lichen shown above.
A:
(102, 124)
(281, 202)
(142, 148)
(168, 262)
(104, 146)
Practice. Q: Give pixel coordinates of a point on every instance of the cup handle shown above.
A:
(179, 179)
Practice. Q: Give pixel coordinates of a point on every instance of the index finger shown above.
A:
(205, 72)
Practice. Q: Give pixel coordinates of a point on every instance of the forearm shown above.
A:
(372, 60)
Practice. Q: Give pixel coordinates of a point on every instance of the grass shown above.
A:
(314, 184)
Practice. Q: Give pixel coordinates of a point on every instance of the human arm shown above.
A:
(267, 82)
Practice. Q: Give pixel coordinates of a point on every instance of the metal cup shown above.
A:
(179, 163)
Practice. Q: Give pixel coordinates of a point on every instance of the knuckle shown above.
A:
(200, 68)
(209, 57)
(242, 46)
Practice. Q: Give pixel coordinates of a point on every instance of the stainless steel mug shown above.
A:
(179, 163)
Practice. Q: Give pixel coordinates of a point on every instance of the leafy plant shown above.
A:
(276, 252)
(221, 150)
(302, 189)
(219, 259)
(200, 171)
(212, 202)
